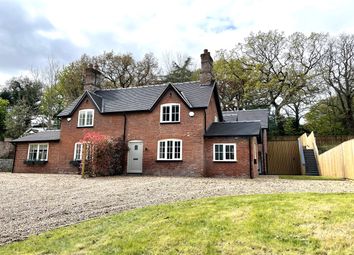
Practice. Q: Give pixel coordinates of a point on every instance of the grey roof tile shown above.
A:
(223, 129)
(49, 135)
(143, 98)
(261, 115)
(97, 100)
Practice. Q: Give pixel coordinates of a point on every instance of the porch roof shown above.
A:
(223, 129)
(49, 135)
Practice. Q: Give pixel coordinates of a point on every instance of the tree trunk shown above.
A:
(279, 120)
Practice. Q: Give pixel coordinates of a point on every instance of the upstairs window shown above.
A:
(170, 113)
(38, 152)
(169, 149)
(224, 152)
(85, 118)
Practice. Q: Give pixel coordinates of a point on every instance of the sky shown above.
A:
(32, 31)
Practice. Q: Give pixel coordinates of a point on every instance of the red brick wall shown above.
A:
(54, 164)
(61, 153)
(147, 127)
(211, 112)
(241, 168)
(254, 156)
(265, 146)
(106, 124)
(140, 126)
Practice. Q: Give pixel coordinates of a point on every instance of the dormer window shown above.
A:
(170, 113)
(85, 118)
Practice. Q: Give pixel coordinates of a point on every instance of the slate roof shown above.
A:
(49, 135)
(224, 129)
(261, 115)
(144, 98)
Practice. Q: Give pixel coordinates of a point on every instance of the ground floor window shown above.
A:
(78, 151)
(224, 152)
(169, 149)
(38, 152)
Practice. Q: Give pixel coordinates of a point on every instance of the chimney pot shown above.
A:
(206, 73)
(92, 78)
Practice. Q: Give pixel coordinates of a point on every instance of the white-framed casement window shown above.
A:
(169, 149)
(86, 118)
(224, 152)
(170, 113)
(78, 151)
(38, 152)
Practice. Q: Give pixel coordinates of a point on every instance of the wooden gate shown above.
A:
(284, 158)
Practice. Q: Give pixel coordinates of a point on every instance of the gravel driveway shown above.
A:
(33, 203)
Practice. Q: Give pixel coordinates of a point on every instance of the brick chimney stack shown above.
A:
(206, 73)
(92, 78)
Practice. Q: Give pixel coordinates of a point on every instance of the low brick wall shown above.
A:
(6, 165)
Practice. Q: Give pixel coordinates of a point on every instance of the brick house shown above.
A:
(170, 129)
(261, 115)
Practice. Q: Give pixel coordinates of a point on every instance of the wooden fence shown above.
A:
(320, 140)
(283, 158)
(339, 161)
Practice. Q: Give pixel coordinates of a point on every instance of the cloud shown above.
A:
(28, 41)
(32, 30)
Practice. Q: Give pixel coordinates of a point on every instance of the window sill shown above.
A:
(174, 122)
(84, 126)
(35, 162)
(169, 160)
(224, 161)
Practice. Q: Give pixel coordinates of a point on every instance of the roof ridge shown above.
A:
(95, 94)
(242, 121)
(150, 85)
(259, 109)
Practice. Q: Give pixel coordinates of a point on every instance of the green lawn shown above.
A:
(255, 224)
(307, 177)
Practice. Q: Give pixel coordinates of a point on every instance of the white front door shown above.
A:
(135, 157)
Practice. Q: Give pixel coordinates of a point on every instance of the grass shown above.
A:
(254, 224)
(306, 177)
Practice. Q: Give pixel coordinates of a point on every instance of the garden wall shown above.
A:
(6, 165)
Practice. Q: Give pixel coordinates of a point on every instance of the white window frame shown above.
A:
(85, 111)
(224, 152)
(173, 150)
(37, 158)
(81, 150)
(75, 151)
(169, 105)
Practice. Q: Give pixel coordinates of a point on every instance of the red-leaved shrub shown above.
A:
(105, 154)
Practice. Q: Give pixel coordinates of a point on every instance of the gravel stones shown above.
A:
(33, 203)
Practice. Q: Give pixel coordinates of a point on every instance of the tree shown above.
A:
(286, 66)
(70, 79)
(18, 120)
(147, 70)
(236, 81)
(52, 104)
(117, 69)
(24, 90)
(3, 112)
(181, 72)
(338, 75)
(324, 118)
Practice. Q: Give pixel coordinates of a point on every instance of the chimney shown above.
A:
(92, 78)
(206, 73)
